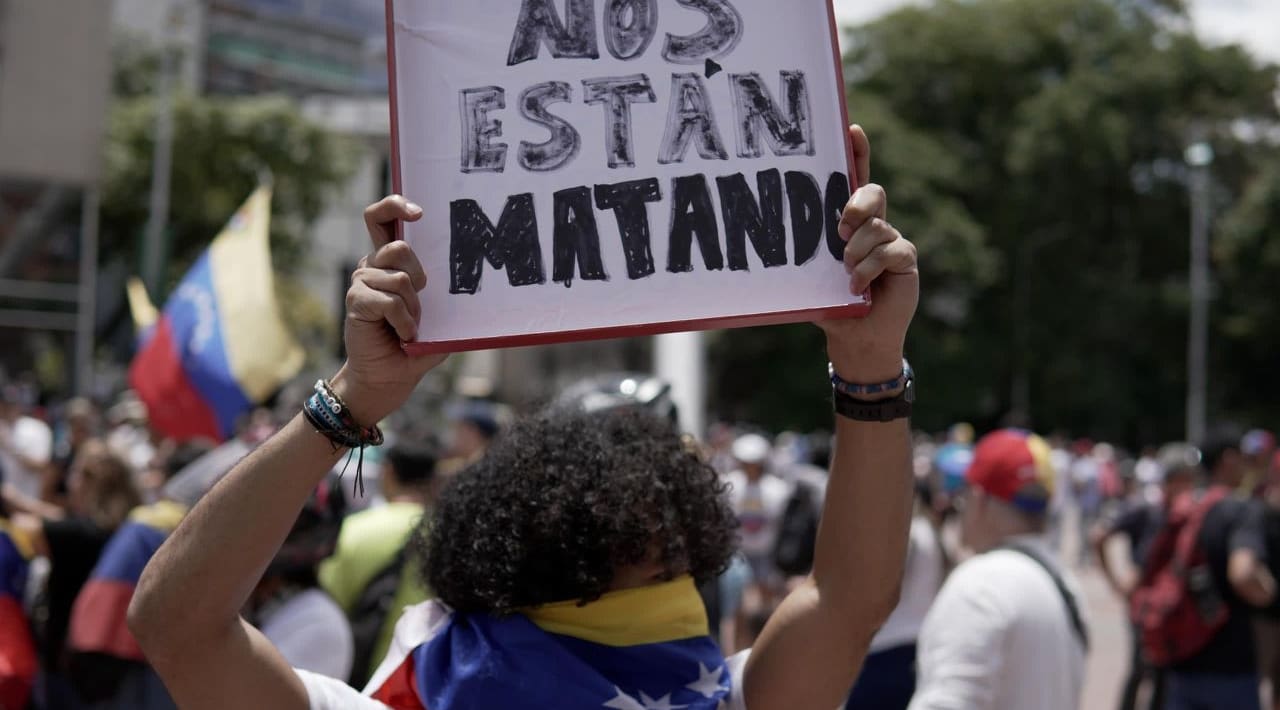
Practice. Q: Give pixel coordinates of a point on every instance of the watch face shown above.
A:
(909, 392)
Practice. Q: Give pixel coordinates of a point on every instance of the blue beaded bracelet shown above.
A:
(856, 390)
(325, 411)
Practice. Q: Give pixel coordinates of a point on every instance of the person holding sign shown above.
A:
(583, 595)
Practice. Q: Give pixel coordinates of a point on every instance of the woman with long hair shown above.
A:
(100, 495)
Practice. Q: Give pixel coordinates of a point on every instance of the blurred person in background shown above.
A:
(1138, 521)
(950, 463)
(100, 495)
(1223, 673)
(1267, 624)
(758, 499)
(105, 666)
(18, 663)
(1150, 473)
(798, 529)
(1086, 484)
(720, 438)
(473, 424)
(1257, 446)
(128, 433)
(888, 678)
(1063, 500)
(370, 574)
(79, 425)
(26, 444)
(724, 598)
(288, 604)
(1007, 629)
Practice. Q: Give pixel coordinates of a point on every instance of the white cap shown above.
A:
(751, 449)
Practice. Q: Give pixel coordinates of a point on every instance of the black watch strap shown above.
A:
(884, 411)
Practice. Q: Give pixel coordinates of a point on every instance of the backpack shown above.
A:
(1177, 608)
(797, 532)
(368, 616)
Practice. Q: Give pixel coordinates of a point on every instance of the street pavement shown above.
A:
(1109, 642)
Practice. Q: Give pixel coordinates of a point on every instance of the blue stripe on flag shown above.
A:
(198, 335)
(480, 662)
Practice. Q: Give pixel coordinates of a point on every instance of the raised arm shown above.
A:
(812, 649)
(186, 611)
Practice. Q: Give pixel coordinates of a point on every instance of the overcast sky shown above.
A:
(1253, 23)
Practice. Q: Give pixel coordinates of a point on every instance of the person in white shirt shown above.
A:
(758, 498)
(1006, 630)
(26, 445)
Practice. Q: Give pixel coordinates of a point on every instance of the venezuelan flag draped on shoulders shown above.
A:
(219, 347)
(98, 619)
(641, 649)
(17, 649)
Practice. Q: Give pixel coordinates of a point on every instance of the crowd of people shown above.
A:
(89, 493)
(989, 613)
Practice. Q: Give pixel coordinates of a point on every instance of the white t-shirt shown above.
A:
(759, 506)
(919, 587)
(326, 693)
(32, 439)
(999, 637)
(312, 634)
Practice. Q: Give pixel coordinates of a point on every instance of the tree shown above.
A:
(222, 148)
(1033, 149)
(1248, 313)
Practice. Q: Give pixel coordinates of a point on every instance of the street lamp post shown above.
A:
(1199, 157)
(162, 158)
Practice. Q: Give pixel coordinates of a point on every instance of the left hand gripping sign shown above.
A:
(595, 168)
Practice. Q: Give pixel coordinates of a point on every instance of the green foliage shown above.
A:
(1248, 317)
(223, 147)
(1033, 150)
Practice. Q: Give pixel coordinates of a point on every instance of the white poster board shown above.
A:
(602, 168)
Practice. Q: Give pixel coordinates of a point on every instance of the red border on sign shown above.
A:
(852, 310)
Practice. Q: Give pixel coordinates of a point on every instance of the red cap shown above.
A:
(1013, 465)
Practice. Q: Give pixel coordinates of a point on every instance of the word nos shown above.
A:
(514, 243)
(630, 27)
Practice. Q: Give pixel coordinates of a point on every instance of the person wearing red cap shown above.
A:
(1006, 630)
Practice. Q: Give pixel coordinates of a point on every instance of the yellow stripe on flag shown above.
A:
(141, 308)
(634, 617)
(261, 352)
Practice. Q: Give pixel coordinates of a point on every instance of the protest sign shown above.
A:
(602, 168)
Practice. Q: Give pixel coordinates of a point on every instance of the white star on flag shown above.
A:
(663, 703)
(624, 701)
(708, 682)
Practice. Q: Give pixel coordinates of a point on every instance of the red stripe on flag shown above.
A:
(98, 620)
(400, 692)
(17, 656)
(174, 406)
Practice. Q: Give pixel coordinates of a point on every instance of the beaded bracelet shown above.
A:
(856, 390)
(331, 417)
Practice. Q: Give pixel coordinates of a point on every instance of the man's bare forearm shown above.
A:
(862, 542)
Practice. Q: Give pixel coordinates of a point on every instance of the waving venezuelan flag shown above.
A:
(219, 347)
(98, 618)
(17, 649)
(642, 649)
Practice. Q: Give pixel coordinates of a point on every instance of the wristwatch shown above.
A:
(887, 410)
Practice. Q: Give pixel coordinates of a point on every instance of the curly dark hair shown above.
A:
(561, 501)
